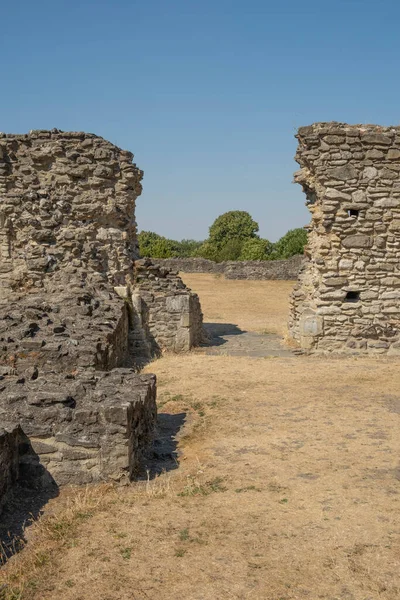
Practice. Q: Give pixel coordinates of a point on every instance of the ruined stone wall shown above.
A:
(9, 460)
(348, 295)
(67, 202)
(67, 239)
(76, 321)
(246, 269)
(170, 314)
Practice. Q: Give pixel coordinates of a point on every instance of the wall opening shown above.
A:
(352, 297)
(353, 212)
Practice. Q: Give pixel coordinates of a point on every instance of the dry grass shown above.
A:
(287, 489)
(260, 306)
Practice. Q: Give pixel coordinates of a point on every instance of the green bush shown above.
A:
(291, 243)
(156, 246)
(256, 249)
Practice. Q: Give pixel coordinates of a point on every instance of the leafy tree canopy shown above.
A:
(235, 224)
(256, 249)
(291, 243)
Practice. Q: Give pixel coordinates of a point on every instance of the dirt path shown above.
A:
(281, 482)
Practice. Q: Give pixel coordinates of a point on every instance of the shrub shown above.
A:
(256, 249)
(291, 243)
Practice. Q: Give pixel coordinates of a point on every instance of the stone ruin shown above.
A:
(348, 295)
(80, 313)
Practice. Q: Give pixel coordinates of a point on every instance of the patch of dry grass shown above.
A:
(288, 488)
(260, 306)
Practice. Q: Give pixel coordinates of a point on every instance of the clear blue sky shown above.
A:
(208, 94)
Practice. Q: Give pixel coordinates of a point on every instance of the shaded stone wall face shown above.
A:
(348, 294)
(248, 269)
(9, 461)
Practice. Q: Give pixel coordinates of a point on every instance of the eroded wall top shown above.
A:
(67, 200)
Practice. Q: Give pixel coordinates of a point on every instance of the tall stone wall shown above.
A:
(72, 324)
(245, 269)
(348, 294)
(67, 202)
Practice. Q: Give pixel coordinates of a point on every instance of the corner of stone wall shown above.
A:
(347, 296)
(167, 314)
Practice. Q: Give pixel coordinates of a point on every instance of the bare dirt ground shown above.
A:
(287, 486)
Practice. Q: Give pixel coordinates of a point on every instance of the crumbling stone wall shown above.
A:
(69, 324)
(241, 269)
(348, 295)
(67, 202)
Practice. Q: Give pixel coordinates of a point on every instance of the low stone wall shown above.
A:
(9, 460)
(248, 269)
(86, 426)
(168, 315)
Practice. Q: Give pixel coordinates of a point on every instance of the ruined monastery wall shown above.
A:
(76, 321)
(348, 295)
(245, 269)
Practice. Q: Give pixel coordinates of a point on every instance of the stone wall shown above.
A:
(67, 202)
(348, 295)
(248, 269)
(170, 314)
(74, 314)
(9, 460)
(85, 426)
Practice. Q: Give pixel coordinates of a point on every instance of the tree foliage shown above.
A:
(291, 243)
(235, 224)
(256, 249)
(233, 236)
(155, 246)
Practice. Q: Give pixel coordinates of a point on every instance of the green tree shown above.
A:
(256, 249)
(235, 224)
(187, 248)
(291, 243)
(207, 250)
(231, 250)
(156, 246)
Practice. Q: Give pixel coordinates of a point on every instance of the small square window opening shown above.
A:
(352, 297)
(353, 212)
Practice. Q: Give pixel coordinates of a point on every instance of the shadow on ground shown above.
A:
(164, 455)
(228, 339)
(216, 333)
(25, 503)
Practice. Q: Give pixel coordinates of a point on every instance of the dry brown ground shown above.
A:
(259, 306)
(287, 488)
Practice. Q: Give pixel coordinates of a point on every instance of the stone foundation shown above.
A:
(348, 295)
(85, 427)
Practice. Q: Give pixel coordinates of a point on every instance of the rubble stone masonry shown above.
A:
(76, 321)
(348, 295)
